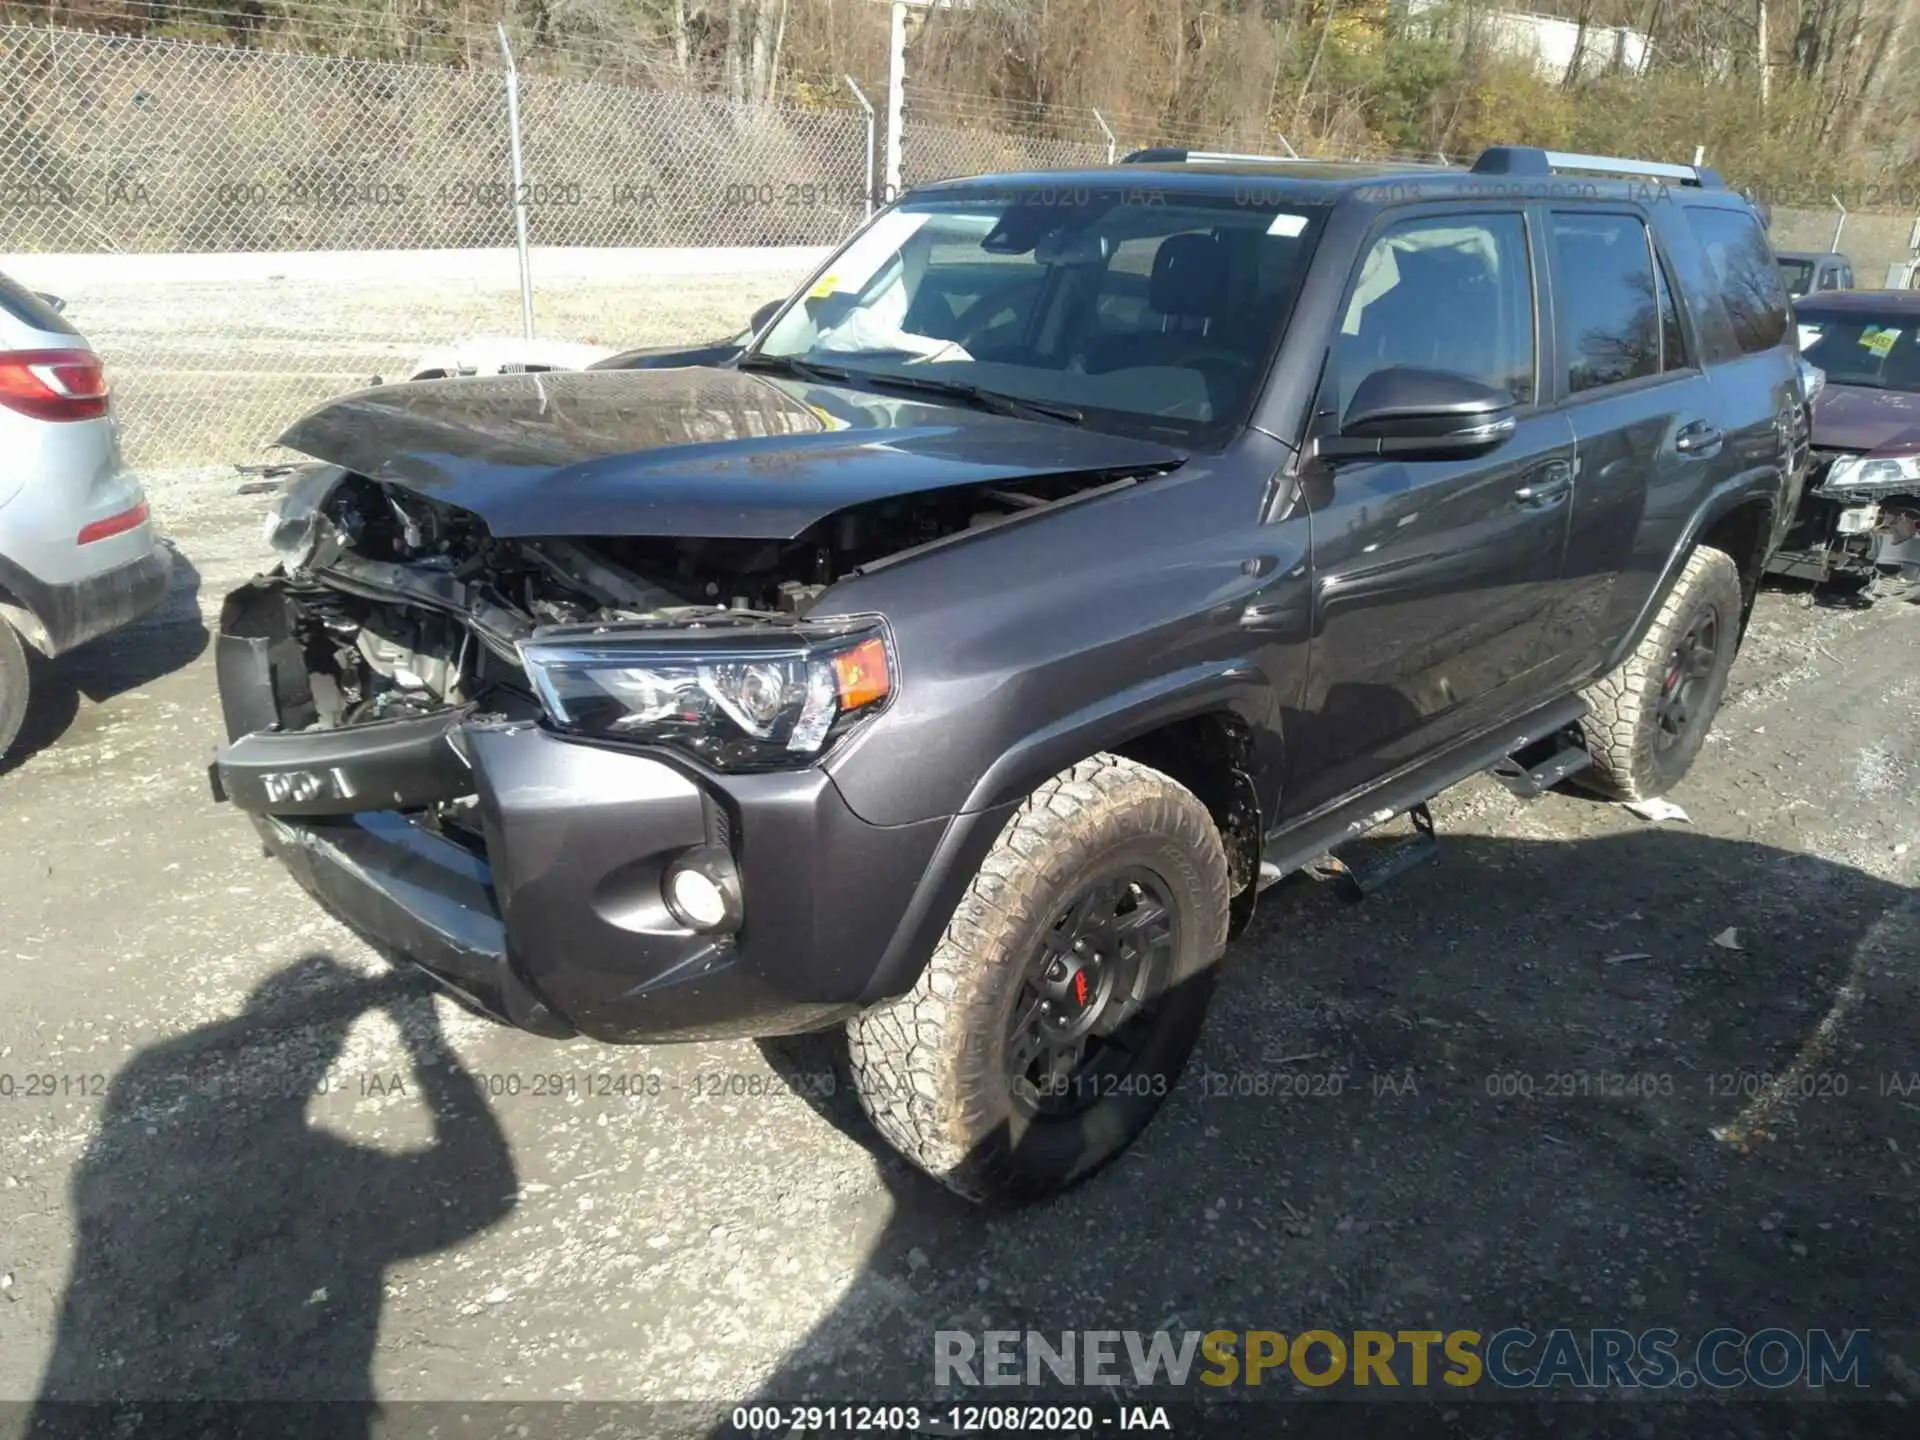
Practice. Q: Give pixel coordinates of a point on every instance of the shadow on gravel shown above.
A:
(157, 644)
(226, 1249)
(1531, 1084)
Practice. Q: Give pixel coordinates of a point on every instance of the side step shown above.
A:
(1362, 878)
(1531, 772)
(1303, 841)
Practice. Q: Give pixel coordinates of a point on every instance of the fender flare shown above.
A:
(1236, 685)
(1752, 487)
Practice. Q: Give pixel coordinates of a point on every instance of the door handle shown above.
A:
(1551, 482)
(1702, 438)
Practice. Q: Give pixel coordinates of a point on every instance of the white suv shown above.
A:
(78, 555)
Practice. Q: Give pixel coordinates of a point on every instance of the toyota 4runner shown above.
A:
(1070, 555)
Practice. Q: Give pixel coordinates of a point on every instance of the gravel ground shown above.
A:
(268, 1170)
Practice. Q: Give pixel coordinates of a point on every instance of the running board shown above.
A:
(1315, 835)
(1363, 877)
(1530, 782)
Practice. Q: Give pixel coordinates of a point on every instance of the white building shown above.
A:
(1550, 42)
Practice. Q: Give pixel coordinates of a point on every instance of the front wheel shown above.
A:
(1059, 1008)
(1649, 718)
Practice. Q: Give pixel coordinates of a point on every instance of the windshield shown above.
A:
(1139, 310)
(1854, 349)
(1798, 275)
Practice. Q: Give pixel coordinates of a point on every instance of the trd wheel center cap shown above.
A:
(1074, 990)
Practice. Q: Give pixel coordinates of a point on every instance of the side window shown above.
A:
(1743, 270)
(1453, 293)
(1829, 278)
(1605, 303)
(1673, 340)
(1846, 277)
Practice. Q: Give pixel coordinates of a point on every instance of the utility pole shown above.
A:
(896, 95)
(1766, 69)
(897, 81)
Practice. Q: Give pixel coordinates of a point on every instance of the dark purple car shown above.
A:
(1860, 511)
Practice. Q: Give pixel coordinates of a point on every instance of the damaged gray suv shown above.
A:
(1071, 554)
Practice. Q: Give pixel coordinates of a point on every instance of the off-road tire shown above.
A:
(1622, 730)
(930, 1066)
(15, 682)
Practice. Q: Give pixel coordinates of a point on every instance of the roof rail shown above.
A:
(1171, 155)
(1531, 160)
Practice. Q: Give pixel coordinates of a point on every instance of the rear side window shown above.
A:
(1451, 293)
(21, 304)
(1606, 305)
(1745, 273)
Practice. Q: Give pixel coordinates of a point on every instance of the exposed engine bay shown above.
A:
(392, 604)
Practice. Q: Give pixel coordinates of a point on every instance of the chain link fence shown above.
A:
(1875, 242)
(245, 232)
(149, 171)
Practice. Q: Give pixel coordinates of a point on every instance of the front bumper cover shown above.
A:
(548, 913)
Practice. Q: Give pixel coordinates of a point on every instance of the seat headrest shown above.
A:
(1189, 277)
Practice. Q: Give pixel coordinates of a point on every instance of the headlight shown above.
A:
(1860, 476)
(747, 700)
(293, 518)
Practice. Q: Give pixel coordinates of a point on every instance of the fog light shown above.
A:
(702, 889)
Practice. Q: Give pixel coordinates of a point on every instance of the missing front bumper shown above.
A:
(402, 764)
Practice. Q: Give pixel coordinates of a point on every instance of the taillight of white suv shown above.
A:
(53, 384)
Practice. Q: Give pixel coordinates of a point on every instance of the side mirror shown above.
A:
(761, 316)
(52, 302)
(1421, 415)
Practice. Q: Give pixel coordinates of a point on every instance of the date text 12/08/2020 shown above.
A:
(784, 1420)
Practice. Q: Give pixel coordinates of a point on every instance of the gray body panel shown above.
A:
(1370, 626)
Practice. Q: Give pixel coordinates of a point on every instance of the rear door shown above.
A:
(1645, 419)
(1735, 329)
(1754, 377)
(1432, 579)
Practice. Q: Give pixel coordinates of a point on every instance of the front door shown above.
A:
(1432, 580)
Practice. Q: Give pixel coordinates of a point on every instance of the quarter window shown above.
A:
(1745, 274)
(1451, 293)
(1606, 299)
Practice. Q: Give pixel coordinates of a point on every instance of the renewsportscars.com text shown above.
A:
(1612, 1359)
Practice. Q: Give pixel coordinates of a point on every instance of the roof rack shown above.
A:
(1172, 155)
(1531, 160)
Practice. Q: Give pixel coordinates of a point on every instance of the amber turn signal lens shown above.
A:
(861, 674)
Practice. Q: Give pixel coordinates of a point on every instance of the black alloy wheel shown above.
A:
(1087, 1002)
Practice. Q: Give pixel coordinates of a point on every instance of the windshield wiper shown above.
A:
(787, 365)
(997, 401)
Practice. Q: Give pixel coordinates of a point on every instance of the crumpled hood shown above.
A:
(694, 452)
(1850, 417)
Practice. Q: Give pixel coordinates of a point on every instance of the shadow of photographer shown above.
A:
(229, 1250)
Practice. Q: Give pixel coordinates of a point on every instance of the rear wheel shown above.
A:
(1651, 716)
(1059, 1008)
(14, 684)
